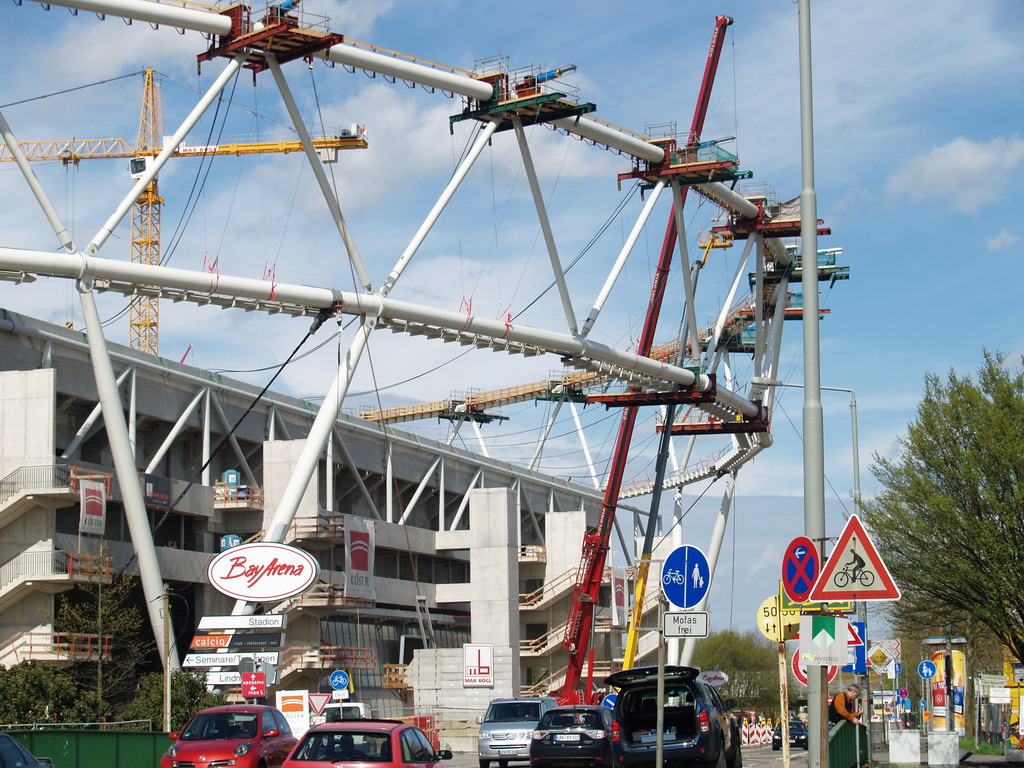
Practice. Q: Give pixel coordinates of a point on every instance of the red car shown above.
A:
(371, 743)
(238, 735)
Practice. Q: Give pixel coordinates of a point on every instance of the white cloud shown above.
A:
(1001, 241)
(964, 173)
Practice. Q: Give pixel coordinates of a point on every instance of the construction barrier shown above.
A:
(756, 733)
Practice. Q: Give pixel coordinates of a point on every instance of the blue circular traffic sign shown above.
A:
(926, 669)
(339, 679)
(800, 567)
(685, 577)
(609, 700)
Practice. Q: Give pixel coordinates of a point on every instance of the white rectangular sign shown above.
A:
(223, 678)
(228, 659)
(266, 621)
(93, 515)
(998, 695)
(478, 665)
(688, 624)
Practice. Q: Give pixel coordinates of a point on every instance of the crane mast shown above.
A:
(579, 625)
(144, 313)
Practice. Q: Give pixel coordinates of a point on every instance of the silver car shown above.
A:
(506, 729)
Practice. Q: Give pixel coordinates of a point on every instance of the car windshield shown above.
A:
(339, 746)
(513, 712)
(217, 726)
(586, 718)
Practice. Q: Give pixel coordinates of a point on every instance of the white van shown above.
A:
(342, 710)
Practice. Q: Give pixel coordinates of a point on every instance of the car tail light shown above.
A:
(616, 736)
(538, 735)
(596, 734)
(705, 722)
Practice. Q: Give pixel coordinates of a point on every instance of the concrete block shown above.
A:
(943, 748)
(905, 747)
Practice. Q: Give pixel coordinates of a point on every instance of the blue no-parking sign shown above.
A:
(685, 577)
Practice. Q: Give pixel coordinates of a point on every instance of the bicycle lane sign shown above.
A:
(685, 576)
(855, 570)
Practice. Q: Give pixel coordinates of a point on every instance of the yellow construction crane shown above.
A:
(145, 230)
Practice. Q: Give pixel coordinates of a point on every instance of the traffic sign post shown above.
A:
(685, 577)
(339, 680)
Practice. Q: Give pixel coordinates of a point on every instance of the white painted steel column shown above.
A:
(176, 430)
(544, 437)
(207, 428)
(460, 173)
(759, 325)
(480, 439)
(355, 474)
(154, 13)
(620, 262)
(389, 486)
(604, 133)
(233, 441)
(714, 548)
(132, 411)
(91, 419)
(545, 225)
(409, 71)
(728, 199)
(124, 466)
(691, 313)
(583, 443)
(169, 149)
(333, 205)
(319, 433)
(63, 236)
(723, 315)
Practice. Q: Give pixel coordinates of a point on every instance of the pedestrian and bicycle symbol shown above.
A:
(685, 576)
(799, 568)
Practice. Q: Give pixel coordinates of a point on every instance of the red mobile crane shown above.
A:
(578, 627)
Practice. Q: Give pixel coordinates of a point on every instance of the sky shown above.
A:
(918, 158)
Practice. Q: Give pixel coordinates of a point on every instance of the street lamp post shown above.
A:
(862, 609)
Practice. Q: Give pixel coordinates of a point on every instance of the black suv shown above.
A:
(698, 725)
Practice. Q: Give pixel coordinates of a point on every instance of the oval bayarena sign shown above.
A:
(263, 572)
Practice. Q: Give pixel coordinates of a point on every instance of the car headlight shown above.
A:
(483, 736)
(172, 751)
(243, 748)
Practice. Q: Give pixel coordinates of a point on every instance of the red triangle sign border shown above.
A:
(821, 592)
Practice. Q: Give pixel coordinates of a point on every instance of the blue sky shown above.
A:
(919, 158)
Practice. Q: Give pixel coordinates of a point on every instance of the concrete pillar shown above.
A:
(494, 575)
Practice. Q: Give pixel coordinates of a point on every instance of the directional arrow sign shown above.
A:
(823, 640)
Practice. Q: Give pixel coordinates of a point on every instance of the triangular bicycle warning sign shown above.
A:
(855, 570)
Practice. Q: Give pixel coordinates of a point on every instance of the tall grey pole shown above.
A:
(814, 454)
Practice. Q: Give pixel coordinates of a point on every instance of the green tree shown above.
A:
(949, 518)
(750, 661)
(188, 696)
(107, 608)
(40, 692)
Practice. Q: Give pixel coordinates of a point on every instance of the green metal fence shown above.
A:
(843, 740)
(96, 749)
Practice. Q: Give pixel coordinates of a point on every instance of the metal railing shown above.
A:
(49, 476)
(53, 562)
(47, 646)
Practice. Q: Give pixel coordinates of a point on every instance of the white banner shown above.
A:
(620, 597)
(360, 545)
(294, 705)
(93, 515)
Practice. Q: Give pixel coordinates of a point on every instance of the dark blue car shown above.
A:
(699, 729)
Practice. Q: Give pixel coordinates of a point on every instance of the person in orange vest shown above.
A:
(844, 706)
